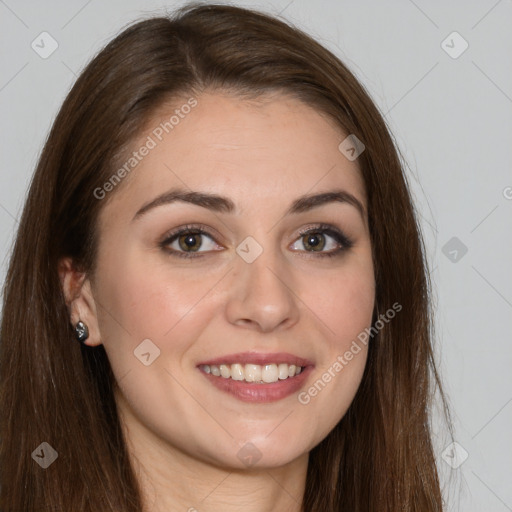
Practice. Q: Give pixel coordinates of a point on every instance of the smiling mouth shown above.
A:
(253, 373)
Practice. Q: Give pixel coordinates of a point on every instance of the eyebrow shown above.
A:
(223, 204)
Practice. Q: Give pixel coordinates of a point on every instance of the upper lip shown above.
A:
(259, 358)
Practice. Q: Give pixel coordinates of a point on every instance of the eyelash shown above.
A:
(337, 235)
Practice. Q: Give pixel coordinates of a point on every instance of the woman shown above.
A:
(218, 296)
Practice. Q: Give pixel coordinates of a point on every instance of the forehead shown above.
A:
(271, 149)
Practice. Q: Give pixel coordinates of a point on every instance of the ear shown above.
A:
(79, 299)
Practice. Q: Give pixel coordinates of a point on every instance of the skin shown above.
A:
(184, 434)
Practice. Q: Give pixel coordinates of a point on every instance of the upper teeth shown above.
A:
(253, 372)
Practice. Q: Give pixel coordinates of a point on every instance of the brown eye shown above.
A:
(314, 240)
(190, 241)
(187, 241)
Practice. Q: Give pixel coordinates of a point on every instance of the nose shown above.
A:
(261, 294)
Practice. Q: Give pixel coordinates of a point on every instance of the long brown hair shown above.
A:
(380, 455)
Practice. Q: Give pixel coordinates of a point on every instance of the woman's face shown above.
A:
(255, 299)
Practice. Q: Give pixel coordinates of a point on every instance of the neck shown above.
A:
(179, 484)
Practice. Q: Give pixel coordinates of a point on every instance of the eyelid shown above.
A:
(176, 232)
(198, 228)
(331, 230)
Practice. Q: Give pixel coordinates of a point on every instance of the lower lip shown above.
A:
(252, 392)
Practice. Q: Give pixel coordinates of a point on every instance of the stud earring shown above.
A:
(81, 331)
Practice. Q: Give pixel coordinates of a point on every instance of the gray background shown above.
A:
(451, 118)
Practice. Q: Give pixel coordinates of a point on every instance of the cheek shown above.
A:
(344, 304)
(345, 308)
(146, 301)
(339, 370)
